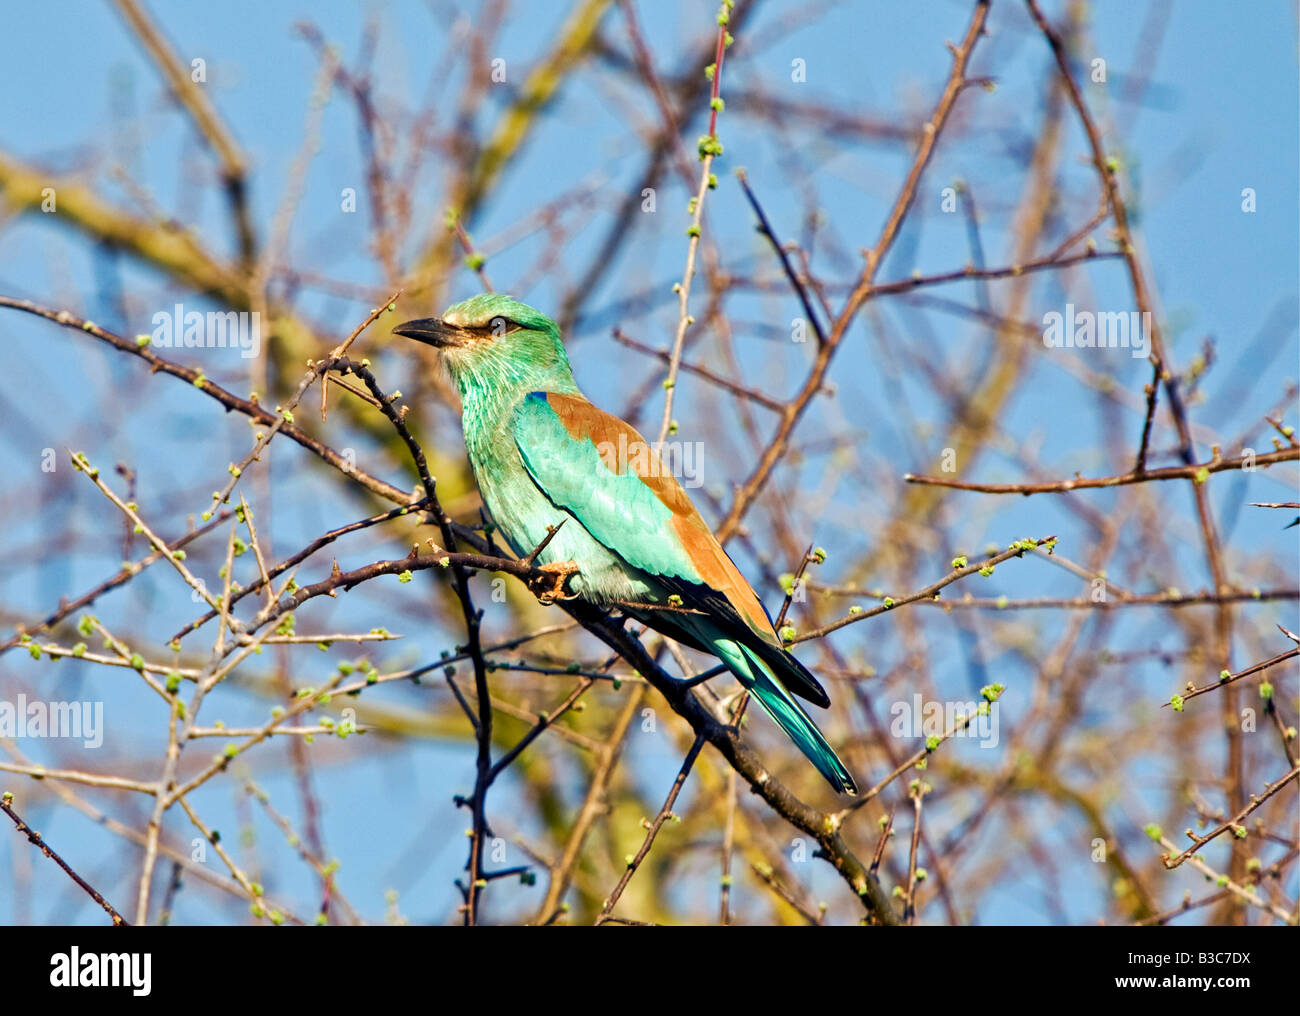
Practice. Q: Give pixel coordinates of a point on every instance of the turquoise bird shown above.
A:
(628, 535)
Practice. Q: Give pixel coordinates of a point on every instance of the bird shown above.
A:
(622, 531)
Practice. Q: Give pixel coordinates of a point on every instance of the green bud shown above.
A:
(708, 145)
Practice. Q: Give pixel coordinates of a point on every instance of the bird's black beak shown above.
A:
(432, 331)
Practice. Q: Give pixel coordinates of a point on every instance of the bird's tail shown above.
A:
(757, 676)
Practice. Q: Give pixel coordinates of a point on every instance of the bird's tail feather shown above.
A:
(757, 676)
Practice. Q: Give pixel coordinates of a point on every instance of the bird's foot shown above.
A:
(552, 583)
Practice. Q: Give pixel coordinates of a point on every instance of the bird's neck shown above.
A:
(489, 401)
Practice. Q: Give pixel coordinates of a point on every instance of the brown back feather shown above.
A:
(584, 421)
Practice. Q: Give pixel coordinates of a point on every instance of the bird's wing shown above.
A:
(603, 473)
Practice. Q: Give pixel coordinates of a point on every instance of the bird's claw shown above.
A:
(551, 584)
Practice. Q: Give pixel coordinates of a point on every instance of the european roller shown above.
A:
(628, 536)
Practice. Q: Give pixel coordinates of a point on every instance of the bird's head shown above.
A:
(493, 341)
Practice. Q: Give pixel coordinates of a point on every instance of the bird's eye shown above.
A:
(500, 326)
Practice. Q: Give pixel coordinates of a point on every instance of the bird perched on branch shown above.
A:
(622, 531)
